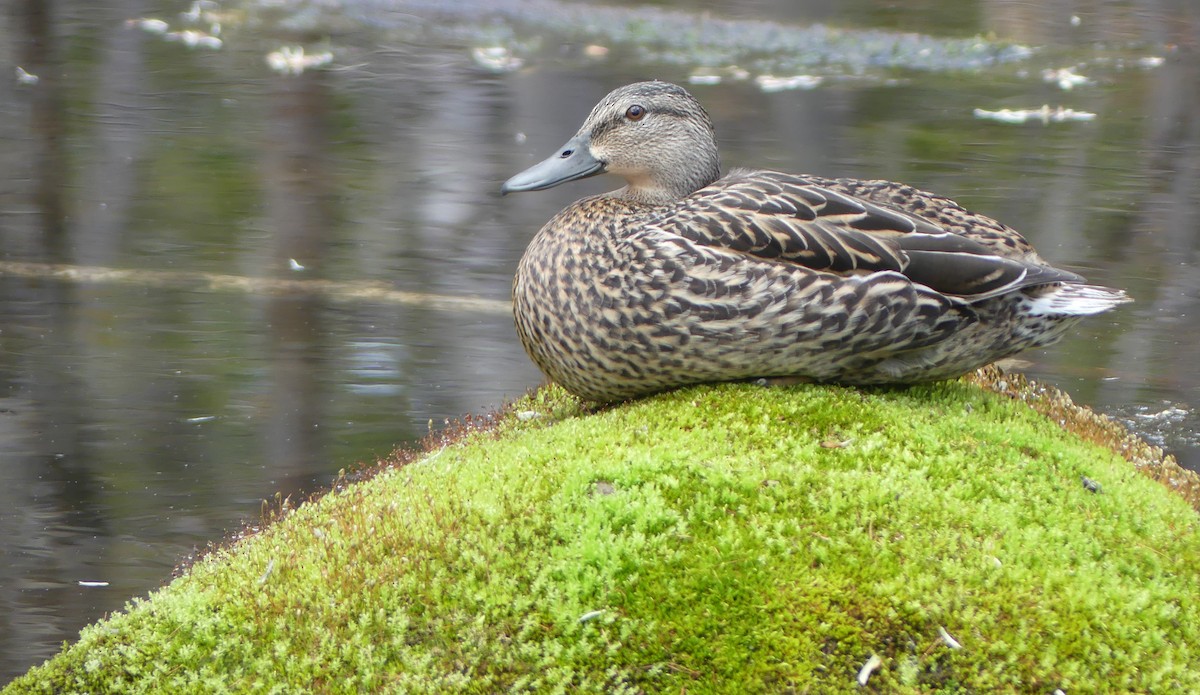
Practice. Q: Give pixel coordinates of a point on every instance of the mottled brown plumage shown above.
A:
(681, 278)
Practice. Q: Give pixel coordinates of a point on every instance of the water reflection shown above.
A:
(300, 197)
(142, 419)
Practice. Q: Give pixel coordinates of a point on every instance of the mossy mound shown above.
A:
(716, 539)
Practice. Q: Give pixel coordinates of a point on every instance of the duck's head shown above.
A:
(653, 134)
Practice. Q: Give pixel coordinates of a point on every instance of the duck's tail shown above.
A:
(1070, 299)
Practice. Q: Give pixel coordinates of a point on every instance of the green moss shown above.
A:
(708, 540)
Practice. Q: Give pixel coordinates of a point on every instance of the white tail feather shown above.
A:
(1077, 300)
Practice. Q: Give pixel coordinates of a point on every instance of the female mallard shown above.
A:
(683, 277)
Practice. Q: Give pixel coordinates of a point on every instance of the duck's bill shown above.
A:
(573, 161)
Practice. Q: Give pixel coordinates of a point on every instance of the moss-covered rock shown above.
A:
(715, 539)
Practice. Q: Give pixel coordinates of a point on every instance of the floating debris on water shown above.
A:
(84, 582)
(1170, 414)
(1066, 78)
(595, 51)
(194, 39)
(714, 75)
(771, 83)
(694, 39)
(24, 77)
(292, 60)
(1046, 115)
(148, 25)
(496, 59)
(352, 291)
(704, 78)
(198, 10)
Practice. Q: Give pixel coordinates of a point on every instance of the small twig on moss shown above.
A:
(864, 673)
(950, 641)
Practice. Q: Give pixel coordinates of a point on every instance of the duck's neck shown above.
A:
(648, 195)
(674, 179)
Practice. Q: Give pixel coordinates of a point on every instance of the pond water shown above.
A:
(219, 282)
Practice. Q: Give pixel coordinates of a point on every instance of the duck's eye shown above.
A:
(635, 112)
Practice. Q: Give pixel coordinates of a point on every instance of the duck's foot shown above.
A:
(773, 381)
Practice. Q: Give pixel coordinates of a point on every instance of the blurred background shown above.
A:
(244, 245)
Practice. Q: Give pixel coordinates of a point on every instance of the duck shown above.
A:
(686, 276)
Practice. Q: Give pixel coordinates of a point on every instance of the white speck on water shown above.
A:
(24, 77)
(771, 83)
(496, 59)
(1046, 115)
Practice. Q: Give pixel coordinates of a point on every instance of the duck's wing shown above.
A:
(791, 219)
(939, 210)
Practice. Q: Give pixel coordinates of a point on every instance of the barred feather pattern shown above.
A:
(612, 304)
